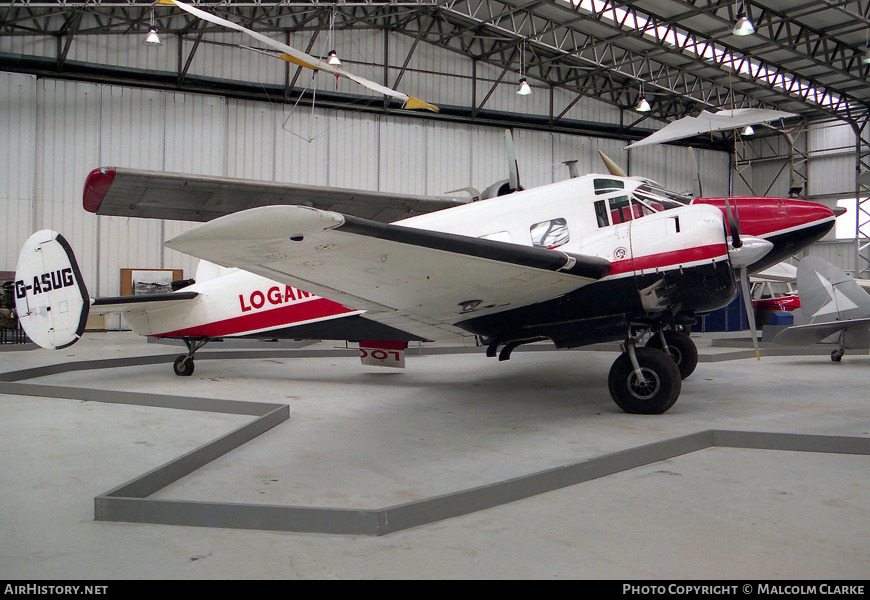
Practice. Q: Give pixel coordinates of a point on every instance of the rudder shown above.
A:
(51, 299)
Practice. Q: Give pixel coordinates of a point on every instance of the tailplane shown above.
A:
(51, 299)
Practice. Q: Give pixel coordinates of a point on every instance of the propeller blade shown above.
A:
(513, 166)
(750, 313)
(612, 167)
(699, 192)
(733, 225)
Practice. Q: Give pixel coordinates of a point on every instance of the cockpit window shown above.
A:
(622, 209)
(604, 186)
(660, 199)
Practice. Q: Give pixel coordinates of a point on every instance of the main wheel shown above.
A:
(183, 366)
(681, 348)
(653, 396)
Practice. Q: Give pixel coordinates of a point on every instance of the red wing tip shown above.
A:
(97, 186)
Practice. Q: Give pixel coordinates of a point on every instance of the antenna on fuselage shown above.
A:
(572, 168)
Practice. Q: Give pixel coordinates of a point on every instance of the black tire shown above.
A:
(657, 395)
(681, 348)
(183, 366)
(837, 355)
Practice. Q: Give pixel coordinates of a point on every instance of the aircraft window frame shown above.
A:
(553, 233)
(601, 213)
(607, 186)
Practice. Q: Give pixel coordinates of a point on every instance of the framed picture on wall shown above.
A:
(138, 282)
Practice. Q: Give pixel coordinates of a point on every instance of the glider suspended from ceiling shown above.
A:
(708, 122)
(297, 57)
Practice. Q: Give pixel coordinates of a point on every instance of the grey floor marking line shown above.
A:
(129, 502)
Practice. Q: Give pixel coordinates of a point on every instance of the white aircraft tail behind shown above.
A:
(51, 299)
(833, 306)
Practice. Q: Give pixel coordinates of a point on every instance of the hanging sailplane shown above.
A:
(707, 122)
(590, 259)
(302, 59)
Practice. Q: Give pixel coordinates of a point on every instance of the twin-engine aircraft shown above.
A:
(590, 259)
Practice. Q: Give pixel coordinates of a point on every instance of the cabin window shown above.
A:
(549, 234)
(604, 186)
(601, 213)
(498, 236)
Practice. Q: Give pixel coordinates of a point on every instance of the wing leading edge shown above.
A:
(416, 280)
(116, 191)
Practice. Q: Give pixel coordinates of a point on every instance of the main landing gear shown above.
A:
(647, 380)
(183, 365)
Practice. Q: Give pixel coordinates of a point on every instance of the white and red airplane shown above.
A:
(589, 259)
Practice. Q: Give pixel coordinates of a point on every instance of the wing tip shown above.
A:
(97, 185)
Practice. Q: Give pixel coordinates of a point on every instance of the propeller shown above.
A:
(513, 166)
(512, 183)
(612, 167)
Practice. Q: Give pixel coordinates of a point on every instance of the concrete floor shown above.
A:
(360, 437)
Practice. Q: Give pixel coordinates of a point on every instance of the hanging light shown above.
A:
(743, 25)
(525, 89)
(866, 58)
(152, 37)
(332, 59)
(748, 130)
(643, 106)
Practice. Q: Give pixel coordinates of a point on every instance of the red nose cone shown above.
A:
(766, 217)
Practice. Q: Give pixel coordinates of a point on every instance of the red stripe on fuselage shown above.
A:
(285, 316)
(674, 258)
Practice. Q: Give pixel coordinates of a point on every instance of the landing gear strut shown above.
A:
(183, 365)
(644, 380)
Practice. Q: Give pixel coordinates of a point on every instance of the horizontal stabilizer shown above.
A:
(123, 304)
(51, 299)
(813, 333)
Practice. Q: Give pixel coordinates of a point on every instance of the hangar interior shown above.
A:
(80, 89)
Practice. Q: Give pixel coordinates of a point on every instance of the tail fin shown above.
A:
(51, 299)
(828, 294)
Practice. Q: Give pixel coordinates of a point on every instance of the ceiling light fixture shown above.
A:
(642, 105)
(152, 37)
(524, 89)
(333, 59)
(748, 130)
(743, 25)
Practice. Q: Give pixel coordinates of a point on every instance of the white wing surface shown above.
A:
(420, 281)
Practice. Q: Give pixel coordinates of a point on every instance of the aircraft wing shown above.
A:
(419, 281)
(123, 304)
(124, 192)
(813, 333)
